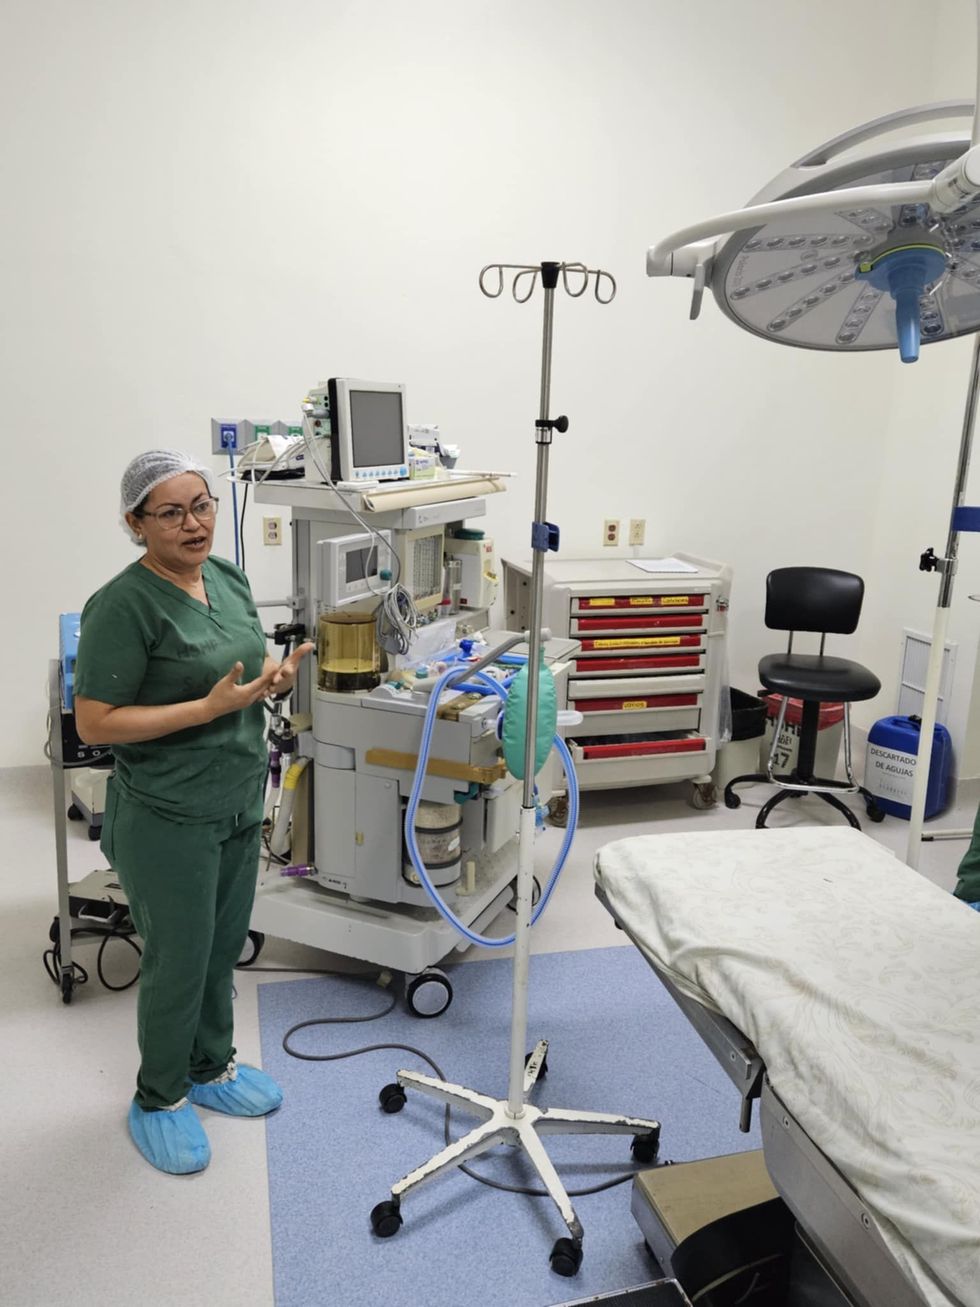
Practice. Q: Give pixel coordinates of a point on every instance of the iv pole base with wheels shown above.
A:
(514, 1120)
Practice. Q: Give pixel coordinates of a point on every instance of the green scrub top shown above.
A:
(145, 641)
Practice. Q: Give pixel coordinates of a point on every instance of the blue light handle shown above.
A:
(905, 273)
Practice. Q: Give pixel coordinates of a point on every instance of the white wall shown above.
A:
(216, 204)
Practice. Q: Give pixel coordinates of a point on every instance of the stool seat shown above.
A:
(817, 677)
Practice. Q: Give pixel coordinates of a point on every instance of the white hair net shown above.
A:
(149, 470)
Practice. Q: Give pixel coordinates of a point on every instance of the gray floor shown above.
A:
(82, 1218)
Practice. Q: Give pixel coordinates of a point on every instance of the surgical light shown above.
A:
(870, 241)
(860, 247)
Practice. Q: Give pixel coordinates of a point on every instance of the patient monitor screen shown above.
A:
(376, 428)
(357, 563)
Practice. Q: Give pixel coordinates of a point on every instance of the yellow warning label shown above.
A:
(676, 601)
(601, 603)
(640, 601)
(630, 705)
(645, 642)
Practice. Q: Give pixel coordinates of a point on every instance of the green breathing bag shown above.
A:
(515, 716)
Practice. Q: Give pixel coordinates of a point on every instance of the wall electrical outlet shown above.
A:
(638, 530)
(272, 530)
(226, 436)
(610, 531)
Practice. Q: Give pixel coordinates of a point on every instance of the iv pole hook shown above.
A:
(603, 287)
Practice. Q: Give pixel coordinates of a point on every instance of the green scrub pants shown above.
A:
(190, 889)
(968, 885)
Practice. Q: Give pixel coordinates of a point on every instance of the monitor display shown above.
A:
(349, 566)
(376, 427)
(369, 439)
(358, 562)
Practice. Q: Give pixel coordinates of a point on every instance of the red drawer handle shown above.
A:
(611, 603)
(636, 704)
(634, 623)
(696, 745)
(636, 664)
(645, 642)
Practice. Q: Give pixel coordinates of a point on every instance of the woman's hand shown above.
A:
(284, 676)
(228, 696)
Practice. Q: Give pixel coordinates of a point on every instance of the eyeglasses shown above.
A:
(173, 516)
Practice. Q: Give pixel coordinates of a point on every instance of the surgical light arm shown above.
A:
(681, 253)
(688, 252)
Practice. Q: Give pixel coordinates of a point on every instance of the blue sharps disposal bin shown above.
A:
(889, 770)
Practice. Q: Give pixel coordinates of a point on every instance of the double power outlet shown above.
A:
(637, 531)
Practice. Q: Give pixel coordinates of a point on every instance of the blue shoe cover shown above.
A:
(240, 1091)
(171, 1140)
(974, 906)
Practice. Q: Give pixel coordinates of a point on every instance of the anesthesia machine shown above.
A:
(395, 588)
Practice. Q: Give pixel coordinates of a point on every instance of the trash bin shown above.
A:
(830, 731)
(740, 755)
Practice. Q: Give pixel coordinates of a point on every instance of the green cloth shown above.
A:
(145, 641)
(968, 885)
(190, 889)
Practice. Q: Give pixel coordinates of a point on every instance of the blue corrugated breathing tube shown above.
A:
(413, 802)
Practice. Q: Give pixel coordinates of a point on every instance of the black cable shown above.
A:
(240, 525)
(52, 957)
(417, 1052)
(277, 858)
(535, 894)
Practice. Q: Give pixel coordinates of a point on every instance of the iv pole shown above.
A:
(514, 1120)
(962, 518)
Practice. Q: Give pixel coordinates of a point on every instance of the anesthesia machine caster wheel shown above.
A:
(558, 810)
(646, 1147)
(75, 813)
(386, 1219)
(94, 832)
(875, 813)
(392, 1098)
(703, 796)
(429, 993)
(566, 1256)
(732, 800)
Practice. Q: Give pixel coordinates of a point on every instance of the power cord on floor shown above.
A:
(116, 927)
(417, 1052)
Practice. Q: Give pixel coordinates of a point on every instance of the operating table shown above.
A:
(842, 991)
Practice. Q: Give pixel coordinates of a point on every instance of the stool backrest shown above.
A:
(813, 599)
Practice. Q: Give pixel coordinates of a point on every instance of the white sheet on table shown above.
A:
(859, 983)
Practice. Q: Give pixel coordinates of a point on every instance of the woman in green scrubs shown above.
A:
(172, 672)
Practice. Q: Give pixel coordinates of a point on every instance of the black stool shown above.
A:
(822, 600)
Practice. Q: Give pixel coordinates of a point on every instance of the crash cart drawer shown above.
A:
(633, 713)
(604, 762)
